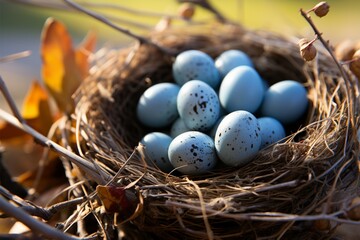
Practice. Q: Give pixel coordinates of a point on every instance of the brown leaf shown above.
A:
(118, 199)
(59, 70)
(36, 112)
(83, 52)
(36, 108)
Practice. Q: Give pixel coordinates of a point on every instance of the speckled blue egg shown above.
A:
(157, 106)
(178, 127)
(271, 131)
(156, 145)
(198, 105)
(237, 138)
(231, 59)
(192, 153)
(286, 101)
(194, 64)
(241, 89)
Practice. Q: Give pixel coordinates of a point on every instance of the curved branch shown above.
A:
(31, 222)
(127, 32)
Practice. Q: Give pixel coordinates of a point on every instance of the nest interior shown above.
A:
(311, 176)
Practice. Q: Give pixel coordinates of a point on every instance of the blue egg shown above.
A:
(241, 89)
(178, 127)
(156, 145)
(194, 64)
(193, 153)
(271, 131)
(286, 101)
(237, 138)
(157, 106)
(231, 59)
(198, 105)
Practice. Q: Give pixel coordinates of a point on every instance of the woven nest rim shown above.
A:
(273, 195)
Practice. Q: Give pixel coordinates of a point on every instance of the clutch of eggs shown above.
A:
(217, 110)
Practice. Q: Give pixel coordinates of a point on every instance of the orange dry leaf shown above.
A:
(83, 52)
(63, 68)
(36, 109)
(36, 112)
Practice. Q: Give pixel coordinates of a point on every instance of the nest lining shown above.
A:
(312, 175)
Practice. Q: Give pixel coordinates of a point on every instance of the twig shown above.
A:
(10, 101)
(18, 121)
(127, 32)
(348, 87)
(15, 56)
(34, 210)
(85, 165)
(31, 222)
(326, 45)
(111, 6)
(7, 194)
(133, 11)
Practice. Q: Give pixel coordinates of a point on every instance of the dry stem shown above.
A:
(15, 56)
(351, 117)
(31, 222)
(18, 121)
(127, 32)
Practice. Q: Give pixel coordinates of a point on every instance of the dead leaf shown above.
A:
(83, 52)
(59, 69)
(36, 112)
(36, 108)
(118, 199)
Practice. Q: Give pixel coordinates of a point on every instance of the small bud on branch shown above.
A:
(307, 49)
(321, 9)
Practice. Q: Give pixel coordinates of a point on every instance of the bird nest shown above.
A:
(289, 189)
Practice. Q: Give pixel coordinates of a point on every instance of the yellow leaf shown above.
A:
(36, 112)
(36, 108)
(82, 53)
(59, 70)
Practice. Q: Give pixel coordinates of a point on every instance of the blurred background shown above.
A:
(21, 25)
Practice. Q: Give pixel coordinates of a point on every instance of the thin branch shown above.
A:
(137, 12)
(127, 32)
(15, 56)
(20, 123)
(48, 213)
(348, 88)
(10, 101)
(31, 222)
(111, 6)
(85, 165)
